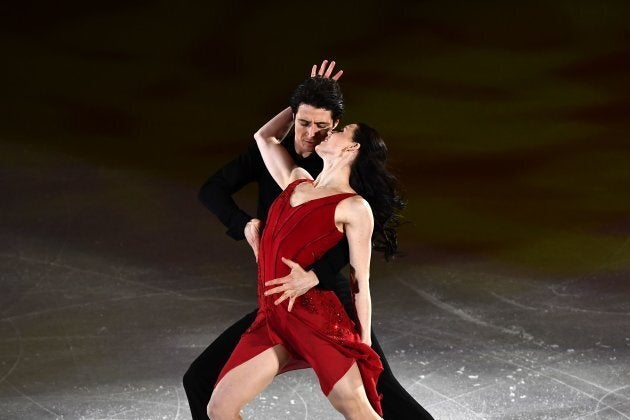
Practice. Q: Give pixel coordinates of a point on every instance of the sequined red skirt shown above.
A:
(317, 333)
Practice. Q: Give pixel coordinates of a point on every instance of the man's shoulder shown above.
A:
(251, 154)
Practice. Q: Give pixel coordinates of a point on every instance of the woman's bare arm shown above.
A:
(356, 215)
(277, 160)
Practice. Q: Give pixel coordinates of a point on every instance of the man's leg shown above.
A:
(397, 404)
(202, 374)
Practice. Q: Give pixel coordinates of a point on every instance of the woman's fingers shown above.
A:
(330, 69)
(326, 70)
(322, 68)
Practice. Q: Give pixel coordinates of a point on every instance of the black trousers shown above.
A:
(202, 374)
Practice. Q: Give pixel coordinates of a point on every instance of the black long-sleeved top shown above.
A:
(216, 195)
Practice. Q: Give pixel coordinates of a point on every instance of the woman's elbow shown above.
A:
(259, 136)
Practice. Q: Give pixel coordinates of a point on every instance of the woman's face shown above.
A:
(336, 141)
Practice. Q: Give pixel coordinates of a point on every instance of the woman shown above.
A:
(306, 220)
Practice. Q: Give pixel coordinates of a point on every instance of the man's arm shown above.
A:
(216, 193)
(327, 267)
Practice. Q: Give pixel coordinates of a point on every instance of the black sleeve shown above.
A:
(216, 193)
(327, 267)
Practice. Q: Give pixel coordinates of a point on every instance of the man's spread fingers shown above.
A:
(291, 301)
(282, 299)
(275, 290)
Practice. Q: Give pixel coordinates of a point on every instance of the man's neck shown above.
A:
(301, 153)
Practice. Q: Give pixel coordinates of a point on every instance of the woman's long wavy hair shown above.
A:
(370, 178)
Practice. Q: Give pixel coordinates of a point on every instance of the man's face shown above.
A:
(311, 127)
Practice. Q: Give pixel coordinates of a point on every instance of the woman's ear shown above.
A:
(354, 147)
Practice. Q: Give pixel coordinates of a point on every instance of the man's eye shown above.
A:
(304, 124)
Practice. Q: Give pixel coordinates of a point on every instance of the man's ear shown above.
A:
(335, 124)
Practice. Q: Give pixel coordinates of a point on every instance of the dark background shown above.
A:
(507, 122)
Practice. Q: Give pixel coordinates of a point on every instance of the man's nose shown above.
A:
(312, 130)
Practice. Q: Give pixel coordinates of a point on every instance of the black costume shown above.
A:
(216, 195)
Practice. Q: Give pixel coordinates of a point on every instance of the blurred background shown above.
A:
(507, 123)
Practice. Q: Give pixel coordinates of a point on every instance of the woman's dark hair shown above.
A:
(319, 92)
(370, 178)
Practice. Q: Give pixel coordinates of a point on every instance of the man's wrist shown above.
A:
(247, 224)
(236, 227)
(314, 277)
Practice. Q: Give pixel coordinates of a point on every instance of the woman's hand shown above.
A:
(252, 234)
(367, 340)
(326, 72)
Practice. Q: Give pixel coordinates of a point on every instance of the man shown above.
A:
(317, 105)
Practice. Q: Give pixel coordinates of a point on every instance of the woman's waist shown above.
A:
(315, 302)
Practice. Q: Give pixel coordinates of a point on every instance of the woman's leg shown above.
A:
(202, 374)
(349, 398)
(241, 384)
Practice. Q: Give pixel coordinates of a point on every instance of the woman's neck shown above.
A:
(334, 175)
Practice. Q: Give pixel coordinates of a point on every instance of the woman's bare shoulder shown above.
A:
(354, 209)
(298, 173)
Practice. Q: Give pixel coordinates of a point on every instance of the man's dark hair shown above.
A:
(319, 92)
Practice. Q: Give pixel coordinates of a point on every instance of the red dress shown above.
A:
(317, 332)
